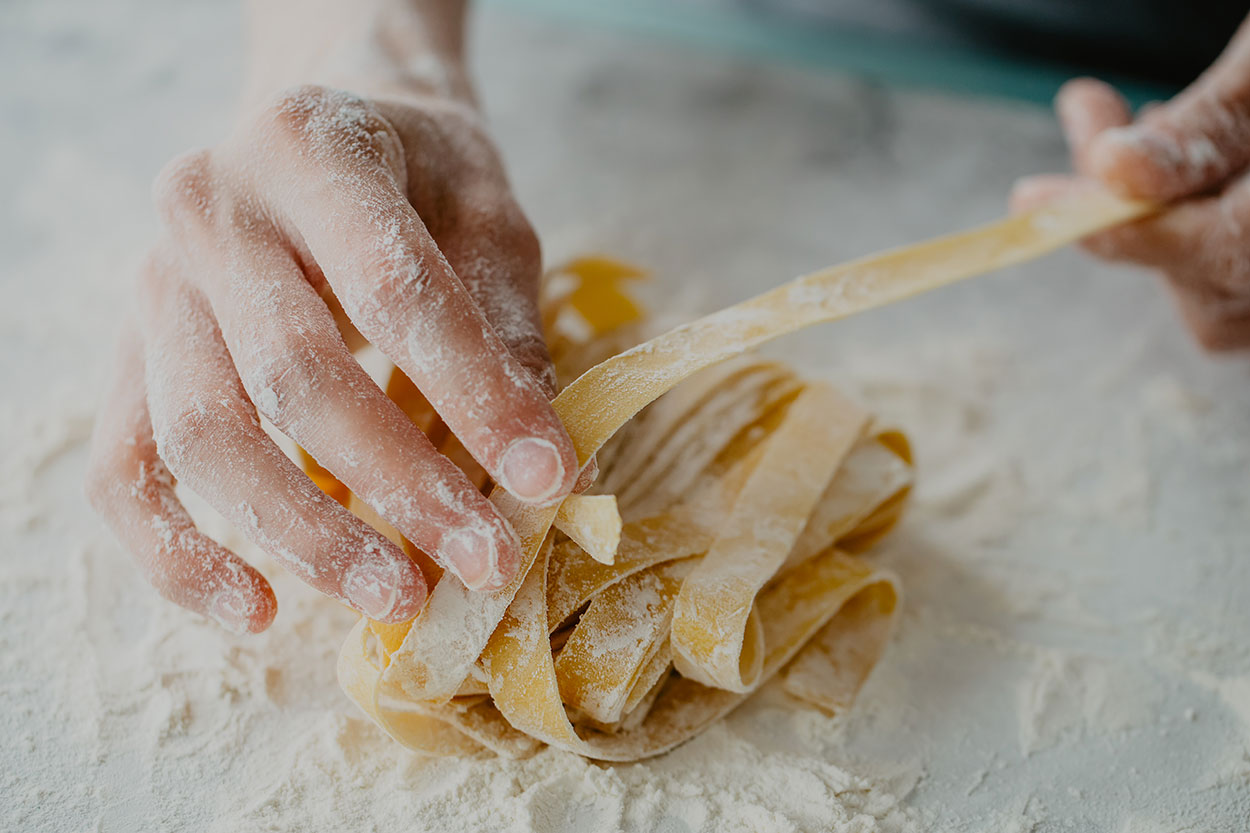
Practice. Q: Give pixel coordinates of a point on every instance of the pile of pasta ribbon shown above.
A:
(716, 554)
(721, 549)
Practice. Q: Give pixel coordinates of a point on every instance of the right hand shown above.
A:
(398, 210)
(1192, 151)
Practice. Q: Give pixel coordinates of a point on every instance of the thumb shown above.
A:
(1193, 143)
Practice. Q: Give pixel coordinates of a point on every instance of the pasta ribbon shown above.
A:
(721, 548)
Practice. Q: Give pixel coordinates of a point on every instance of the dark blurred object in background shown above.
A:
(1165, 42)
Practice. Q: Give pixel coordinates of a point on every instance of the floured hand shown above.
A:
(1193, 150)
(389, 210)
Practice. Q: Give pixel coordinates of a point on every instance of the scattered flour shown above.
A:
(1072, 655)
(153, 700)
(1066, 695)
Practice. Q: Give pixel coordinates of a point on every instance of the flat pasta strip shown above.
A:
(680, 433)
(574, 579)
(870, 476)
(695, 448)
(470, 729)
(648, 431)
(716, 600)
(646, 689)
(525, 688)
(615, 640)
(685, 528)
(422, 681)
(830, 669)
(594, 523)
(611, 692)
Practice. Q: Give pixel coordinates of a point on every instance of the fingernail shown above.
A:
(373, 588)
(532, 470)
(471, 555)
(230, 609)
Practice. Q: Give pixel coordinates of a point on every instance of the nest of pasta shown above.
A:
(719, 549)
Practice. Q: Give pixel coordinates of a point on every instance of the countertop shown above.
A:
(1075, 649)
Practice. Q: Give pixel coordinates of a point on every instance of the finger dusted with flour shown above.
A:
(208, 433)
(294, 365)
(322, 213)
(399, 290)
(130, 486)
(1193, 143)
(1192, 153)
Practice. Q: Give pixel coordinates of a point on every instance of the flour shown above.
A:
(1029, 623)
(159, 698)
(1065, 695)
(560, 793)
(260, 722)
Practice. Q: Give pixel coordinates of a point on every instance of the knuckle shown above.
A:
(295, 109)
(183, 191)
(393, 293)
(286, 385)
(326, 121)
(189, 438)
(461, 129)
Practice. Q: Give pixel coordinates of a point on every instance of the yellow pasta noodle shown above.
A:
(712, 635)
(593, 522)
(718, 554)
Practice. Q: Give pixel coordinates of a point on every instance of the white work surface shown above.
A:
(1073, 655)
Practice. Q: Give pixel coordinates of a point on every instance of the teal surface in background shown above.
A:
(903, 60)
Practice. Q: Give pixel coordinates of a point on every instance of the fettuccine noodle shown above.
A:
(722, 548)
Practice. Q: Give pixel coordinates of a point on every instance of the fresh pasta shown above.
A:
(722, 548)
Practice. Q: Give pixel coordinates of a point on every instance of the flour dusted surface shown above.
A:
(1073, 651)
(243, 735)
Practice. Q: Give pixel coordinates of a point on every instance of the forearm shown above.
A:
(377, 48)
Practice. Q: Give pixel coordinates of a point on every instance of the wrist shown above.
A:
(374, 48)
